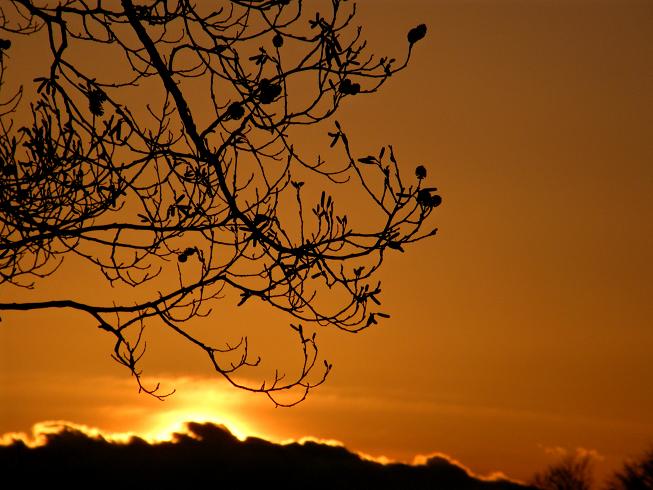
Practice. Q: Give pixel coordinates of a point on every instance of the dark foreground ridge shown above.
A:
(210, 454)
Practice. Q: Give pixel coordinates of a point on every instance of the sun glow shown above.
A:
(168, 423)
(199, 400)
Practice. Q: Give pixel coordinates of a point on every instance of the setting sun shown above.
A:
(168, 423)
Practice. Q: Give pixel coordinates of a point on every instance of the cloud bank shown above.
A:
(207, 453)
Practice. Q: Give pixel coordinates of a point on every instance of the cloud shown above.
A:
(580, 452)
(443, 460)
(590, 453)
(206, 453)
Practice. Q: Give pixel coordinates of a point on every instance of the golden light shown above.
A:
(166, 424)
(202, 401)
(41, 431)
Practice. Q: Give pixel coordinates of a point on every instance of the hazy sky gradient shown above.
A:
(525, 326)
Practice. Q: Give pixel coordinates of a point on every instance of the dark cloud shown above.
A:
(209, 454)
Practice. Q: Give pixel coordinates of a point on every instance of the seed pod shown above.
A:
(416, 33)
(268, 91)
(347, 87)
(236, 111)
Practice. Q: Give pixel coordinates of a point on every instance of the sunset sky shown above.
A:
(521, 332)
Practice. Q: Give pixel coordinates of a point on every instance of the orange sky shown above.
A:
(522, 330)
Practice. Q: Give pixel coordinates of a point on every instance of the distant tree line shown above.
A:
(575, 472)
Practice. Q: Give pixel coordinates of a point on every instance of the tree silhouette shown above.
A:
(635, 475)
(573, 472)
(176, 173)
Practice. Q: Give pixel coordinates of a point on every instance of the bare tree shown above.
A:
(634, 475)
(573, 472)
(177, 174)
